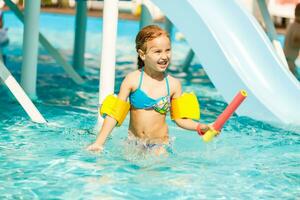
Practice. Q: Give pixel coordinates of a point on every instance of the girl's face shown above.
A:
(158, 53)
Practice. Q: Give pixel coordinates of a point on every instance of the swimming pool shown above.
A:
(250, 160)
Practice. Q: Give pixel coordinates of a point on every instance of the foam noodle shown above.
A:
(221, 120)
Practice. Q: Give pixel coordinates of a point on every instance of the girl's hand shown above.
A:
(203, 128)
(95, 147)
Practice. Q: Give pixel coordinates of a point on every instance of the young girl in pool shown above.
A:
(152, 93)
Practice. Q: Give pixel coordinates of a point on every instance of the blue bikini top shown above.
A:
(140, 100)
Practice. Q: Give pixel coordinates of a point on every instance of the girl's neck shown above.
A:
(154, 74)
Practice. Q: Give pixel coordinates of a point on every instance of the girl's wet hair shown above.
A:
(146, 34)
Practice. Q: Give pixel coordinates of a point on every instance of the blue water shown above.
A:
(250, 160)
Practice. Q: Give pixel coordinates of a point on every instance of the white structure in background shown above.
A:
(72, 3)
(252, 7)
(285, 10)
(125, 6)
(275, 7)
(153, 9)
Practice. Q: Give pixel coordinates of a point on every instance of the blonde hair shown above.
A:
(148, 33)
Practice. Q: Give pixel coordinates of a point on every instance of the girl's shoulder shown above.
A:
(132, 77)
(175, 86)
(174, 82)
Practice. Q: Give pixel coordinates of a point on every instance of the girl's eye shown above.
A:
(157, 52)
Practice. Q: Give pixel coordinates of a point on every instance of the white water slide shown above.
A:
(237, 54)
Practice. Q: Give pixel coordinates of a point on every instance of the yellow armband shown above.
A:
(185, 106)
(115, 108)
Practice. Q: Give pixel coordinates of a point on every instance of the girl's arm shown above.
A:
(109, 122)
(187, 123)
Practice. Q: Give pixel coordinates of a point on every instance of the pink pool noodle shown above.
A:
(229, 110)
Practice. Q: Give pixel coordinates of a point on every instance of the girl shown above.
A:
(150, 91)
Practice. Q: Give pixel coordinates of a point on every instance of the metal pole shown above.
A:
(271, 32)
(80, 32)
(146, 18)
(30, 47)
(47, 45)
(19, 94)
(108, 55)
(188, 60)
(168, 26)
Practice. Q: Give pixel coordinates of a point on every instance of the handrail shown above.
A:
(20, 95)
(47, 45)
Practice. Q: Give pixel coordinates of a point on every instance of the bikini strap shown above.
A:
(141, 77)
(167, 82)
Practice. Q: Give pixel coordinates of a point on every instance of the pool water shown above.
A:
(250, 160)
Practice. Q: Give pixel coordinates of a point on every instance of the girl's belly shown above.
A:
(149, 125)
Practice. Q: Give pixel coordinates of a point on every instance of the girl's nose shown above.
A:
(165, 55)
